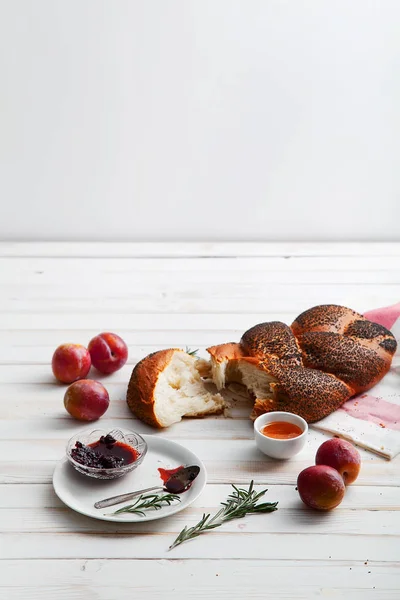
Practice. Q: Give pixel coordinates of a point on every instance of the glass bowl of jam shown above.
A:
(106, 454)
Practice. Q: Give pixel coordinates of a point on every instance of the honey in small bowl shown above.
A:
(281, 430)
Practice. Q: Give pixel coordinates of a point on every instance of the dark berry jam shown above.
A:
(165, 474)
(106, 453)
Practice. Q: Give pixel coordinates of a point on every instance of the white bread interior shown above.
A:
(256, 380)
(218, 372)
(242, 370)
(180, 392)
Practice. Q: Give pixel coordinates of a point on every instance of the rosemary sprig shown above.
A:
(192, 352)
(238, 504)
(148, 502)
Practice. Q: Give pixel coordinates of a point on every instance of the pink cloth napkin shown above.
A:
(372, 420)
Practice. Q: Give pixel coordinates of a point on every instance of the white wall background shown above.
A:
(200, 119)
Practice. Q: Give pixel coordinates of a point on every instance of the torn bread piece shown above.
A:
(167, 385)
(224, 364)
(229, 364)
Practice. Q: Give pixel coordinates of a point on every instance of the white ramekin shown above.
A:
(280, 448)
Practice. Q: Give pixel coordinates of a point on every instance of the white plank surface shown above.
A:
(158, 296)
(195, 249)
(160, 579)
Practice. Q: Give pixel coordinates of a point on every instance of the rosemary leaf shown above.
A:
(238, 504)
(148, 502)
(192, 352)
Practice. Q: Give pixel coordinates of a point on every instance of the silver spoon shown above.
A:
(178, 482)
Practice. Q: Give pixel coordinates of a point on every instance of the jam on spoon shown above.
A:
(180, 481)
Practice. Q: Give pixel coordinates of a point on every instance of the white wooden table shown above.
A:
(157, 296)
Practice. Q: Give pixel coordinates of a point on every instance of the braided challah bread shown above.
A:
(329, 354)
(338, 340)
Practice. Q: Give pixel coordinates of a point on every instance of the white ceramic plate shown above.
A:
(80, 492)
